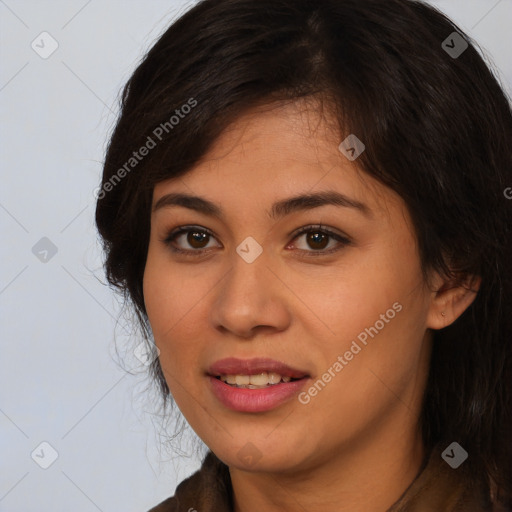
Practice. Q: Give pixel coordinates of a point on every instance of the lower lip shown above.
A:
(255, 400)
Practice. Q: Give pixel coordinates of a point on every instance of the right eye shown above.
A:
(194, 236)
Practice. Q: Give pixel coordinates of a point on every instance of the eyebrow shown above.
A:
(279, 209)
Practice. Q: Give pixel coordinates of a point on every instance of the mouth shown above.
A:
(258, 381)
(254, 385)
(255, 372)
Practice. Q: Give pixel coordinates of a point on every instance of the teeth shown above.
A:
(274, 378)
(256, 380)
(230, 379)
(242, 380)
(261, 380)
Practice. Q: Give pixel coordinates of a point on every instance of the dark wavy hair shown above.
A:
(437, 130)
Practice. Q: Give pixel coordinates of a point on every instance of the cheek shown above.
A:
(381, 371)
(356, 294)
(156, 294)
(377, 311)
(166, 304)
(168, 296)
(163, 310)
(174, 300)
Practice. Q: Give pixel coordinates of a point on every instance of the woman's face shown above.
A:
(349, 314)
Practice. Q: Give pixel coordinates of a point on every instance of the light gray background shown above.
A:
(59, 380)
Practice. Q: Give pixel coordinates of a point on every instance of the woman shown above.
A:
(305, 201)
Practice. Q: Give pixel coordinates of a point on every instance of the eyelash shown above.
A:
(319, 229)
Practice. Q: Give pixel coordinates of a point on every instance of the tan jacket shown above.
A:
(437, 488)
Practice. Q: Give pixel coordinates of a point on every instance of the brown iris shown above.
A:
(317, 240)
(196, 237)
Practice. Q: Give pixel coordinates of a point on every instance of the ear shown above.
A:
(450, 299)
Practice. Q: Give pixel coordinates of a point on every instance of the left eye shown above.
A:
(317, 238)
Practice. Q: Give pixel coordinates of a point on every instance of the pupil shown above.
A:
(196, 237)
(315, 239)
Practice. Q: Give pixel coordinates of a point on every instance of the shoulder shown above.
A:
(442, 488)
(208, 489)
(169, 505)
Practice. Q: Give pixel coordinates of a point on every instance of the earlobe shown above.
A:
(450, 300)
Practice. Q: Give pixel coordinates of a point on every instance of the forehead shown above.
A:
(291, 132)
(278, 151)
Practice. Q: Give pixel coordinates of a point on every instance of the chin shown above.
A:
(259, 456)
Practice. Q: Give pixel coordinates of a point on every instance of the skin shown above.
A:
(356, 446)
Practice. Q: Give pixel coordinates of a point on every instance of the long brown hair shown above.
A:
(437, 129)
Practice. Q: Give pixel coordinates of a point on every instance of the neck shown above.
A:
(369, 475)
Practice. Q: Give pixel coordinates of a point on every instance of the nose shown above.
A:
(250, 299)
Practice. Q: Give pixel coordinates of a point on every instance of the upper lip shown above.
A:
(234, 366)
